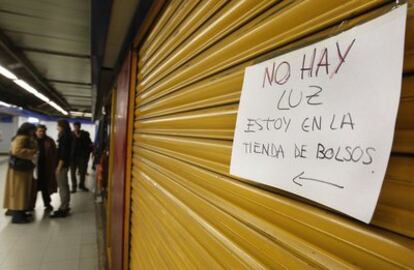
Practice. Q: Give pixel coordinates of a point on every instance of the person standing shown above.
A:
(81, 150)
(46, 166)
(18, 195)
(64, 153)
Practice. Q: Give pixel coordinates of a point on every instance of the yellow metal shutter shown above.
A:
(187, 212)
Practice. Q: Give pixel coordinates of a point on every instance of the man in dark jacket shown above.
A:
(81, 150)
(64, 153)
(46, 166)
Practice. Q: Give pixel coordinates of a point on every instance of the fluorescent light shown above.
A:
(33, 120)
(42, 97)
(76, 113)
(7, 73)
(4, 104)
(57, 107)
(31, 90)
(25, 86)
(34, 91)
(81, 114)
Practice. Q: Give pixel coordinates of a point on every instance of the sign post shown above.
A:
(319, 121)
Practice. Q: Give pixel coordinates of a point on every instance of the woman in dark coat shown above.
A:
(18, 195)
(46, 166)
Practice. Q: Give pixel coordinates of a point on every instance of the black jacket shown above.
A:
(81, 146)
(64, 148)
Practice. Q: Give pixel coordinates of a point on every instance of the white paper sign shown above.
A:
(319, 121)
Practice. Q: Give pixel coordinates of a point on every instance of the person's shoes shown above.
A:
(21, 217)
(9, 212)
(21, 221)
(49, 208)
(84, 189)
(59, 214)
(73, 191)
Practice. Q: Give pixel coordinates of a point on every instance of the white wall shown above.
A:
(7, 131)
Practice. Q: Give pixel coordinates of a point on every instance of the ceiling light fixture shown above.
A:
(31, 90)
(81, 114)
(25, 86)
(4, 104)
(42, 97)
(33, 120)
(7, 73)
(74, 113)
(39, 95)
(57, 107)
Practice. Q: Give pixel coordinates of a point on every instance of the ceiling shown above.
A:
(48, 44)
(122, 14)
(117, 26)
(53, 39)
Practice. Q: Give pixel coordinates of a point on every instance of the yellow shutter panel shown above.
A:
(187, 212)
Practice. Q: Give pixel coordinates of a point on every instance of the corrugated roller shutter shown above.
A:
(187, 211)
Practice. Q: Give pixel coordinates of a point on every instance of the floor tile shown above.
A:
(62, 239)
(47, 243)
(88, 251)
(54, 253)
(88, 238)
(3, 256)
(22, 267)
(89, 228)
(23, 257)
(60, 265)
(7, 243)
(88, 264)
(34, 244)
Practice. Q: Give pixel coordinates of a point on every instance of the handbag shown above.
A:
(20, 164)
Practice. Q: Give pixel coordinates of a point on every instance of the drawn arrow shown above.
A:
(299, 177)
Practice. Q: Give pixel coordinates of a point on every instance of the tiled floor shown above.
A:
(50, 244)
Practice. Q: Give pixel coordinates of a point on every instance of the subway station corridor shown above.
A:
(50, 244)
